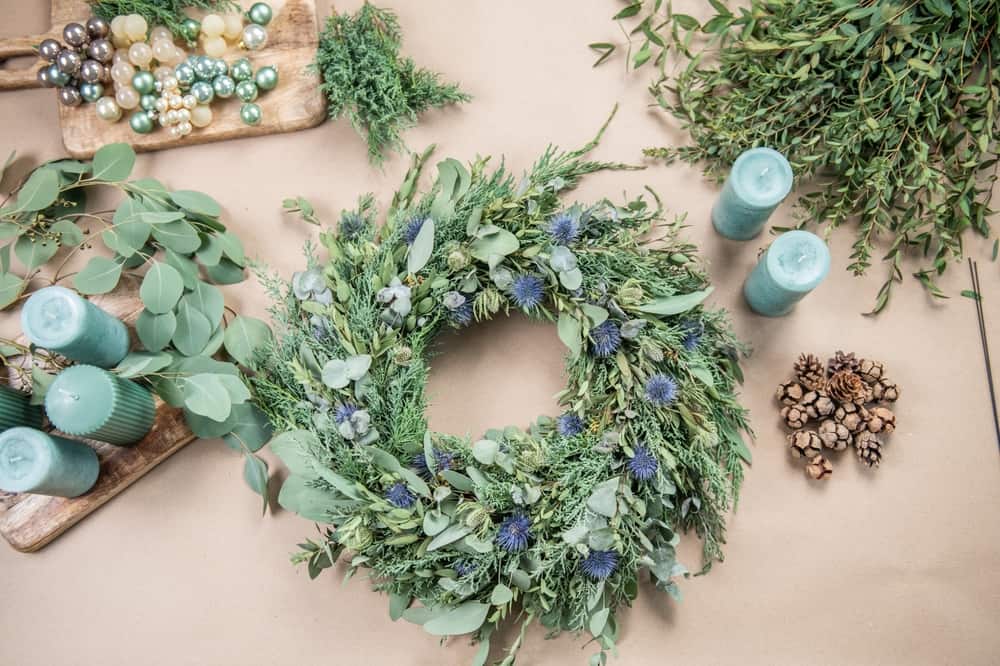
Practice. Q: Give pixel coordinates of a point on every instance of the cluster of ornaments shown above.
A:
(123, 66)
(835, 405)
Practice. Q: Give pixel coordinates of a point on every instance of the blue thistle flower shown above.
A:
(344, 412)
(514, 533)
(605, 339)
(351, 224)
(563, 229)
(693, 330)
(412, 228)
(527, 290)
(462, 315)
(661, 390)
(643, 464)
(569, 425)
(400, 496)
(443, 460)
(600, 564)
(464, 567)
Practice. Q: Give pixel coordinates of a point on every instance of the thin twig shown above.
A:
(974, 274)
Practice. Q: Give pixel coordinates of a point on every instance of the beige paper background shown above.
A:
(894, 567)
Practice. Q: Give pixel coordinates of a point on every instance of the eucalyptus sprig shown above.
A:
(366, 79)
(889, 108)
(169, 241)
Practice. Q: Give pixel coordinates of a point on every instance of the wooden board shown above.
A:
(28, 522)
(295, 104)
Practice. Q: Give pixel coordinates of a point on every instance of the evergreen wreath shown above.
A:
(552, 523)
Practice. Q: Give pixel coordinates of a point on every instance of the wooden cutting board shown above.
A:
(295, 104)
(29, 522)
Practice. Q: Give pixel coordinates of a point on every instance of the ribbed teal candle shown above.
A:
(89, 402)
(16, 409)
(60, 320)
(32, 461)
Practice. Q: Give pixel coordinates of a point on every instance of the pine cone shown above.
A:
(885, 390)
(810, 372)
(819, 468)
(868, 448)
(852, 416)
(817, 404)
(795, 416)
(804, 443)
(870, 371)
(881, 419)
(841, 361)
(846, 386)
(790, 393)
(834, 435)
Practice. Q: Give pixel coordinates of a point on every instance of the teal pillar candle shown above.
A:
(85, 401)
(794, 264)
(32, 461)
(16, 409)
(760, 179)
(60, 320)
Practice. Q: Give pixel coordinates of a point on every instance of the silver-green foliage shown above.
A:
(439, 559)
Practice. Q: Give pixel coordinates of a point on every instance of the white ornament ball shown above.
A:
(107, 109)
(254, 37)
(201, 115)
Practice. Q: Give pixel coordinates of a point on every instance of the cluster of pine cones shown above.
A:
(836, 404)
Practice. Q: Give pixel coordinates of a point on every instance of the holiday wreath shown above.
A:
(553, 523)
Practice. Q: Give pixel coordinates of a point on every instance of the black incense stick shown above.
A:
(974, 274)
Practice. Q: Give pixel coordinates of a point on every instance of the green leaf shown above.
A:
(595, 313)
(310, 503)
(244, 336)
(40, 383)
(485, 451)
(11, 288)
(178, 236)
(449, 536)
(571, 279)
(99, 276)
(225, 273)
(603, 500)
(155, 331)
(571, 333)
(237, 390)
(196, 202)
(435, 522)
(187, 268)
(397, 604)
(255, 474)
(38, 192)
(161, 288)
(206, 395)
(629, 11)
(207, 299)
(69, 232)
(292, 448)
(598, 620)
(501, 243)
(232, 247)
(463, 619)
(210, 252)
(113, 162)
(251, 428)
(139, 364)
(193, 330)
(672, 305)
(34, 252)
(501, 595)
(422, 248)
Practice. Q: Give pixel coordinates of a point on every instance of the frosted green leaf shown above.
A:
(255, 474)
(422, 248)
(206, 395)
(38, 192)
(207, 299)
(178, 236)
(193, 330)
(485, 451)
(603, 499)
(99, 276)
(155, 331)
(34, 252)
(570, 332)
(501, 595)
(463, 619)
(672, 305)
(500, 243)
(161, 288)
(251, 428)
(598, 620)
(292, 448)
(138, 364)
(113, 162)
(196, 202)
(226, 272)
(244, 336)
(11, 288)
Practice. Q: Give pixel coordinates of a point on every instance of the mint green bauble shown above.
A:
(144, 83)
(224, 86)
(140, 122)
(91, 92)
(260, 13)
(246, 91)
(241, 70)
(266, 78)
(251, 114)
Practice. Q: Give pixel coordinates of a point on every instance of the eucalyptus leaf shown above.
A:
(463, 619)
(501, 595)
(11, 288)
(485, 451)
(251, 428)
(207, 299)
(179, 236)
(99, 276)
(598, 621)
(193, 330)
(139, 364)
(155, 331)
(293, 447)
(196, 202)
(232, 247)
(210, 252)
(244, 336)
(206, 395)
(161, 288)
(570, 333)
(500, 243)
(448, 536)
(422, 247)
(70, 234)
(38, 192)
(571, 279)
(435, 522)
(255, 474)
(113, 162)
(34, 252)
(307, 501)
(604, 500)
(672, 305)
(226, 272)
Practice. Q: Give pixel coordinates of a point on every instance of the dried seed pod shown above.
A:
(789, 393)
(852, 416)
(819, 468)
(795, 416)
(885, 390)
(834, 435)
(868, 448)
(818, 404)
(804, 443)
(871, 371)
(845, 386)
(881, 419)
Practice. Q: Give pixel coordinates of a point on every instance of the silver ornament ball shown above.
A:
(91, 71)
(69, 61)
(254, 37)
(49, 49)
(75, 35)
(98, 27)
(70, 96)
(101, 50)
(43, 77)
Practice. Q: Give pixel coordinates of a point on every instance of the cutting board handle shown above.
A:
(12, 79)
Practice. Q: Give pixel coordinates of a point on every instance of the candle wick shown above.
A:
(69, 394)
(764, 172)
(15, 459)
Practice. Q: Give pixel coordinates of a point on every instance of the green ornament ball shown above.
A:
(224, 86)
(60, 78)
(204, 68)
(91, 92)
(140, 122)
(260, 13)
(251, 114)
(241, 70)
(266, 78)
(144, 82)
(185, 74)
(203, 91)
(221, 68)
(246, 91)
(147, 102)
(190, 29)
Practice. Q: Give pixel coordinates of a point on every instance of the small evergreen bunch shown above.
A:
(169, 13)
(365, 78)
